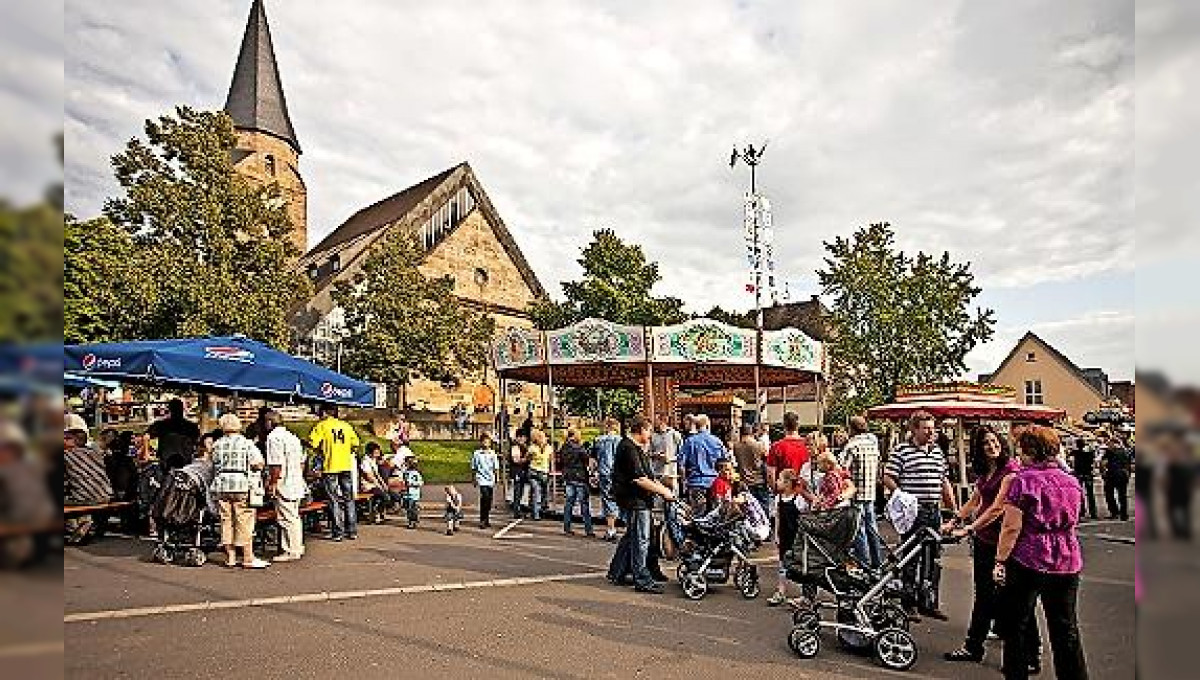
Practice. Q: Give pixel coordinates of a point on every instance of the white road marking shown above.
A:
(32, 649)
(138, 612)
(507, 527)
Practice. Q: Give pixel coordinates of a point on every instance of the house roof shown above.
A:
(1059, 356)
(256, 100)
(808, 316)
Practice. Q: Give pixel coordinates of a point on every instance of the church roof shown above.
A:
(256, 100)
(406, 209)
(383, 213)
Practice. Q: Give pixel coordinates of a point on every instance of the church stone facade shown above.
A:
(449, 213)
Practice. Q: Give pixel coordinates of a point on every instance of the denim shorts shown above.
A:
(608, 504)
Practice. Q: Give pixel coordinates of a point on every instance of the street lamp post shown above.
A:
(752, 157)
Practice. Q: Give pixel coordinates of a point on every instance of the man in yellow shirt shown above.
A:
(335, 440)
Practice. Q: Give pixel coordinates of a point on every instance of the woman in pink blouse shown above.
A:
(1039, 557)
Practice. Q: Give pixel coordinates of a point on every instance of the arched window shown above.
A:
(335, 263)
(270, 163)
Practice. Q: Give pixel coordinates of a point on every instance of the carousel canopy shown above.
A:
(696, 353)
(964, 400)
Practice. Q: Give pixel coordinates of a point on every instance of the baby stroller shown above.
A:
(870, 614)
(715, 547)
(186, 524)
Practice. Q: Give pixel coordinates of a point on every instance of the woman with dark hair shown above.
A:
(994, 469)
(1039, 557)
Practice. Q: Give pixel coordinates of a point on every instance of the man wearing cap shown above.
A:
(85, 481)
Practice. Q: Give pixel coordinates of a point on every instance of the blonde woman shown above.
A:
(539, 455)
(235, 460)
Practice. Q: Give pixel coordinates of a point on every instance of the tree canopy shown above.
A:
(31, 282)
(209, 251)
(401, 324)
(895, 318)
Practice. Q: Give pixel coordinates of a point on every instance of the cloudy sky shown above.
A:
(1002, 132)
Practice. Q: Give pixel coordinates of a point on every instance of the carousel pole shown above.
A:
(552, 486)
(649, 401)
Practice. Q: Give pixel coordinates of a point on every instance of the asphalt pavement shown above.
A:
(531, 603)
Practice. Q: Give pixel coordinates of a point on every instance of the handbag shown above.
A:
(258, 490)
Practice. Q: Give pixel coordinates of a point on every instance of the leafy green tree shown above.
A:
(402, 325)
(31, 302)
(216, 245)
(108, 286)
(617, 286)
(895, 318)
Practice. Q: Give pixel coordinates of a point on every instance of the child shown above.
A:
(454, 512)
(485, 465)
(722, 486)
(836, 488)
(413, 481)
(787, 525)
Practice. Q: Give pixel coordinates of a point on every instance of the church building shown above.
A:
(449, 213)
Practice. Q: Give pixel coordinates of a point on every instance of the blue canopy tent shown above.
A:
(30, 368)
(228, 364)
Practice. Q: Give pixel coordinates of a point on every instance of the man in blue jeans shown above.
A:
(604, 449)
(634, 488)
(336, 442)
(861, 458)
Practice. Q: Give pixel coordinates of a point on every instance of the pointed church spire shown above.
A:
(256, 100)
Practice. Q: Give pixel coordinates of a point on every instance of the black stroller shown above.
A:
(870, 613)
(187, 525)
(714, 548)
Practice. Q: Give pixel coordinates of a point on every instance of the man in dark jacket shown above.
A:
(1083, 465)
(634, 488)
(577, 469)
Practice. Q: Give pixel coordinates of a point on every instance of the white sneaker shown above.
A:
(287, 557)
(256, 564)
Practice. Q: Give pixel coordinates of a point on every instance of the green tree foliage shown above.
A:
(214, 247)
(896, 318)
(107, 287)
(402, 325)
(31, 302)
(617, 285)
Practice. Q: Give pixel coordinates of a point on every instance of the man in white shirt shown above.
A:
(285, 460)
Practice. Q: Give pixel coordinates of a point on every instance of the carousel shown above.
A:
(659, 361)
(962, 406)
(701, 354)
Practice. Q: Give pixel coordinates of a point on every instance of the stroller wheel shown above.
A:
(805, 643)
(746, 580)
(163, 554)
(886, 615)
(694, 584)
(807, 619)
(195, 557)
(895, 649)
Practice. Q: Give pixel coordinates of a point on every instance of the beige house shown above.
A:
(1042, 375)
(449, 213)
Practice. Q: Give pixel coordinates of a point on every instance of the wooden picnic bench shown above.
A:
(106, 509)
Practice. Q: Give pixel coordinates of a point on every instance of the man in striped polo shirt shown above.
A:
(917, 466)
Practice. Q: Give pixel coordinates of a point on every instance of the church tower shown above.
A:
(267, 149)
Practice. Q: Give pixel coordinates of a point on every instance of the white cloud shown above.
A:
(31, 79)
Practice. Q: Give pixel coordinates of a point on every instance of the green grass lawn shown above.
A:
(441, 461)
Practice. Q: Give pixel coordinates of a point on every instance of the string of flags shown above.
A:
(760, 252)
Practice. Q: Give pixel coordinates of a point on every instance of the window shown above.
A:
(1031, 357)
(335, 263)
(1033, 392)
(313, 271)
(446, 217)
(270, 163)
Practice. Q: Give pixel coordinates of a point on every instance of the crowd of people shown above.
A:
(1029, 492)
(1022, 516)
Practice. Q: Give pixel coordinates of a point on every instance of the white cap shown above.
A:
(73, 422)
